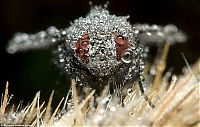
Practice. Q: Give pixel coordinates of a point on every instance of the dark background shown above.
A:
(31, 71)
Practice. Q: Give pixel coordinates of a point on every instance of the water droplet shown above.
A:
(148, 33)
(92, 71)
(126, 77)
(106, 99)
(62, 60)
(52, 31)
(113, 108)
(42, 34)
(53, 40)
(101, 111)
(136, 31)
(129, 91)
(127, 57)
(170, 29)
(64, 33)
(131, 113)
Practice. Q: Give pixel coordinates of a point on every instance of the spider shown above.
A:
(100, 48)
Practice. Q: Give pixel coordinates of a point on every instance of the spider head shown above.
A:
(102, 42)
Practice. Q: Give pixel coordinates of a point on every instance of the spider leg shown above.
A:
(40, 40)
(154, 34)
(145, 96)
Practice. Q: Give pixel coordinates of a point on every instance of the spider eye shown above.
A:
(121, 45)
(81, 49)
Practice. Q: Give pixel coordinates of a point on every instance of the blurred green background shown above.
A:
(31, 71)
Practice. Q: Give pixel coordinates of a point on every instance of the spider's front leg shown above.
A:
(40, 40)
(154, 34)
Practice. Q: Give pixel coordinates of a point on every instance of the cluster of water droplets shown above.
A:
(101, 26)
(42, 39)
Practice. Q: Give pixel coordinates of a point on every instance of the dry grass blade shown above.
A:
(54, 114)
(32, 113)
(161, 64)
(48, 111)
(4, 104)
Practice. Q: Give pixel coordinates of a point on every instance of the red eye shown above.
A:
(82, 48)
(121, 45)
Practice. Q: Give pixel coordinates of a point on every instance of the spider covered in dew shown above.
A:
(99, 49)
